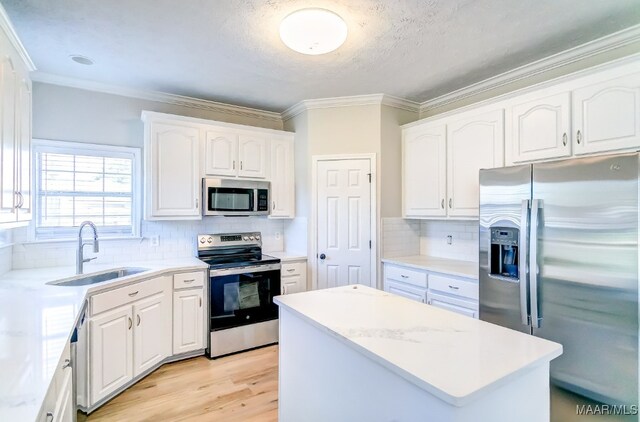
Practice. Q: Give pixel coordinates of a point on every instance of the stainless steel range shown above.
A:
(242, 284)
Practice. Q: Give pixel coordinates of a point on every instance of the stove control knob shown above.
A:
(210, 239)
(202, 240)
(257, 237)
(251, 237)
(245, 238)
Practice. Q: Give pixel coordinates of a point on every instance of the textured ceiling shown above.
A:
(230, 50)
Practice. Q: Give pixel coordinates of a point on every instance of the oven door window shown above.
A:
(243, 299)
(230, 199)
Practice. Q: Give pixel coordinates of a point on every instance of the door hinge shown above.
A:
(369, 174)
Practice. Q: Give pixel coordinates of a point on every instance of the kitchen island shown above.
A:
(357, 353)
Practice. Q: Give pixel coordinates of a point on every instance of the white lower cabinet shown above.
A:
(188, 314)
(58, 403)
(457, 294)
(111, 352)
(128, 340)
(294, 277)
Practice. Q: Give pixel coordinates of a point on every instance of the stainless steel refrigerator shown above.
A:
(559, 260)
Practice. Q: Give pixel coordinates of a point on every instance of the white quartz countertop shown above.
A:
(453, 357)
(287, 255)
(36, 322)
(439, 265)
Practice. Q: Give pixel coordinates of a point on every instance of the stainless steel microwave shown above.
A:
(233, 197)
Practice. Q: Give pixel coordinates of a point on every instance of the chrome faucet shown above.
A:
(80, 260)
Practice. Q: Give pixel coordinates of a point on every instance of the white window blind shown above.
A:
(82, 182)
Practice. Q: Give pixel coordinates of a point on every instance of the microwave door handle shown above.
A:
(522, 262)
(536, 206)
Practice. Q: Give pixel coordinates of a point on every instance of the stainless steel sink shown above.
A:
(94, 278)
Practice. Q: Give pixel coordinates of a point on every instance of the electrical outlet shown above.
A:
(154, 240)
(449, 239)
(277, 235)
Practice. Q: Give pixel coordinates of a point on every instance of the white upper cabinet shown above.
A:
(606, 115)
(282, 175)
(252, 153)
(172, 185)
(221, 153)
(15, 136)
(540, 129)
(424, 175)
(473, 143)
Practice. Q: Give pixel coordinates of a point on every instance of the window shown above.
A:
(76, 182)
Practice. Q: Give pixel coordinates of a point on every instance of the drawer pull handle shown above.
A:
(453, 287)
(66, 364)
(49, 417)
(133, 293)
(290, 270)
(191, 280)
(404, 276)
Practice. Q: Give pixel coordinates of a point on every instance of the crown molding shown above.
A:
(601, 45)
(7, 27)
(161, 97)
(354, 100)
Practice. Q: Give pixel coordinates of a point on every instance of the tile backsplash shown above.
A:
(464, 239)
(177, 239)
(400, 237)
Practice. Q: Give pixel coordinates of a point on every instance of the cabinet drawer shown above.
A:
(127, 294)
(461, 306)
(405, 275)
(186, 280)
(454, 286)
(405, 290)
(290, 269)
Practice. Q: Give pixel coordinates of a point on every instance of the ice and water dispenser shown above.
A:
(504, 252)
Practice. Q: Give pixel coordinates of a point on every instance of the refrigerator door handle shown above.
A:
(522, 263)
(536, 205)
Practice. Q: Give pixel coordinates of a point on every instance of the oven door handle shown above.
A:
(243, 270)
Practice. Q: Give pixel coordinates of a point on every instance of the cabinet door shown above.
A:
(453, 305)
(282, 186)
(221, 153)
(188, 331)
(606, 116)
(473, 143)
(64, 406)
(293, 284)
(540, 129)
(8, 88)
(424, 172)
(404, 290)
(173, 175)
(152, 332)
(253, 156)
(23, 151)
(111, 352)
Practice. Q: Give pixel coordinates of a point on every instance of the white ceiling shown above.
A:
(230, 50)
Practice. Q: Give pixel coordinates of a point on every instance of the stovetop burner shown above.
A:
(233, 250)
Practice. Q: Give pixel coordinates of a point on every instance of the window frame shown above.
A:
(96, 150)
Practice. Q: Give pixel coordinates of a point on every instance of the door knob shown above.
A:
(323, 256)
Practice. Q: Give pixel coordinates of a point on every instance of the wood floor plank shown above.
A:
(241, 387)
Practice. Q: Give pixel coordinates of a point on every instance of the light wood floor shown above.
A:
(242, 387)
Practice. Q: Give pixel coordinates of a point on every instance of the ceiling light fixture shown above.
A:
(81, 59)
(313, 31)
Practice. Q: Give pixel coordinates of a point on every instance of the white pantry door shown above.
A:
(344, 223)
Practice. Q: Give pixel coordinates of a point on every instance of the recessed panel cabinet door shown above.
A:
(473, 143)
(424, 172)
(152, 332)
(607, 115)
(188, 321)
(221, 153)
(111, 352)
(23, 151)
(174, 183)
(541, 129)
(282, 174)
(8, 196)
(252, 156)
